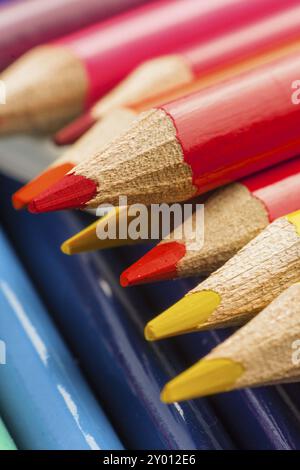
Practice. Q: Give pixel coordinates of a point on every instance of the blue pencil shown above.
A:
(261, 419)
(43, 398)
(104, 326)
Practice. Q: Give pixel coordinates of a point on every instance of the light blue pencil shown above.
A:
(44, 400)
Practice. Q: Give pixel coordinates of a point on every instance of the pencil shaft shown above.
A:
(262, 130)
(217, 56)
(192, 145)
(40, 374)
(157, 29)
(24, 26)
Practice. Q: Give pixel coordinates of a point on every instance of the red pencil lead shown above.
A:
(73, 131)
(159, 264)
(39, 184)
(71, 192)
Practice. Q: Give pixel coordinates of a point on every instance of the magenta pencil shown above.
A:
(50, 85)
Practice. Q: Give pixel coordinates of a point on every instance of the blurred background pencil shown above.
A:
(233, 215)
(68, 75)
(119, 120)
(6, 442)
(263, 352)
(167, 73)
(190, 146)
(242, 287)
(104, 328)
(28, 24)
(40, 375)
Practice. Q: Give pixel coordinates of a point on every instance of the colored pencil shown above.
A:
(271, 414)
(69, 74)
(27, 24)
(233, 216)
(88, 239)
(6, 442)
(242, 287)
(263, 352)
(104, 326)
(178, 150)
(40, 375)
(119, 120)
(88, 144)
(168, 73)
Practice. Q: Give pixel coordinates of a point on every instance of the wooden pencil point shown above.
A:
(206, 377)
(158, 264)
(153, 77)
(65, 248)
(265, 350)
(246, 284)
(185, 316)
(119, 165)
(71, 192)
(41, 92)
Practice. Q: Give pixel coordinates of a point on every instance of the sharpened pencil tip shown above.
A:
(206, 377)
(65, 248)
(187, 315)
(85, 240)
(73, 131)
(149, 333)
(157, 265)
(71, 192)
(31, 190)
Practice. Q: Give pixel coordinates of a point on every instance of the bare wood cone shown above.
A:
(233, 217)
(44, 89)
(264, 345)
(256, 275)
(109, 128)
(264, 352)
(152, 78)
(241, 288)
(118, 166)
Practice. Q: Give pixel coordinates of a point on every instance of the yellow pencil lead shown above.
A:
(206, 377)
(185, 316)
(82, 241)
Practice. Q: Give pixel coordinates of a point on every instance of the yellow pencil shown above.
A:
(263, 352)
(242, 287)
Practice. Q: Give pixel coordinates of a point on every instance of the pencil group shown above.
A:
(172, 103)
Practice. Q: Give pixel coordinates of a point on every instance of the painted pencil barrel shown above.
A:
(268, 33)
(270, 413)
(27, 24)
(104, 326)
(261, 132)
(109, 52)
(277, 188)
(6, 442)
(46, 402)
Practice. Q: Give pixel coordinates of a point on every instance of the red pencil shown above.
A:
(54, 83)
(233, 216)
(26, 24)
(169, 72)
(187, 147)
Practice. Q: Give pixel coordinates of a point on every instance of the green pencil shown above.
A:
(6, 442)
